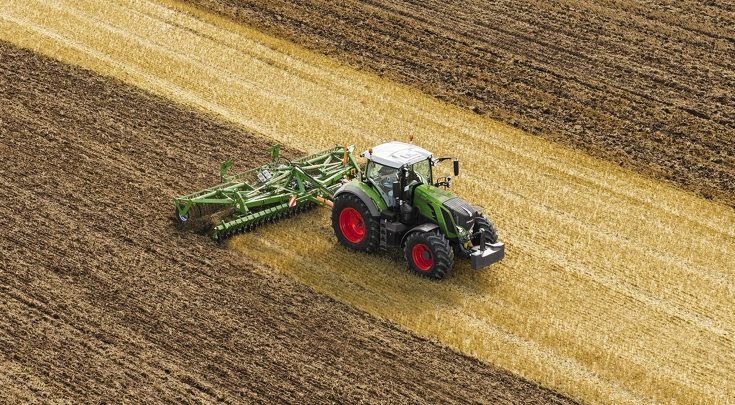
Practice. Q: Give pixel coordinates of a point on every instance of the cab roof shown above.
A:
(397, 154)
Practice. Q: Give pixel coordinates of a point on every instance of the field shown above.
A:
(617, 288)
(104, 300)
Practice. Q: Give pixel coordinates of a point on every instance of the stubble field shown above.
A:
(617, 287)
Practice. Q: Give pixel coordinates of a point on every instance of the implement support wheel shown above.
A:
(182, 218)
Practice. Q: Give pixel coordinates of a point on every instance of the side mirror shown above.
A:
(456, 167)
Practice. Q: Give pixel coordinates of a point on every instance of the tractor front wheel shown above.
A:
(429, 254)
(481, 222)
(353, 225)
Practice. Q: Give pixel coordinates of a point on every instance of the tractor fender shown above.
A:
(362, 195)
(421, 228)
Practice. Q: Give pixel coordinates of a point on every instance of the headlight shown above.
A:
(460, 230)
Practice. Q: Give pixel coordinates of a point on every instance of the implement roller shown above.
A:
(273, 191)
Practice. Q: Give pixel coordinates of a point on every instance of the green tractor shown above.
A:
(397, 203)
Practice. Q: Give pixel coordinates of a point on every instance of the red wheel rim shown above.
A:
(422, 257)
(352, 225)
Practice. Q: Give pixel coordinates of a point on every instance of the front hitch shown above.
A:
(486, 253)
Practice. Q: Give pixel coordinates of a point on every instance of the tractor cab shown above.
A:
(397, 162)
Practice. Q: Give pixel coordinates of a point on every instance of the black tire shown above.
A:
(429, 254)
(353, 225)
(182, 218)
(481, 222)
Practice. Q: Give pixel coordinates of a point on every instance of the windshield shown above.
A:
(420, 171)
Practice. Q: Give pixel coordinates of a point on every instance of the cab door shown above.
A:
(382, 178)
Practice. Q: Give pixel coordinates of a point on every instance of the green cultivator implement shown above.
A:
(273, 191)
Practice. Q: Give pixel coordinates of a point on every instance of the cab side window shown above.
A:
(383, 177)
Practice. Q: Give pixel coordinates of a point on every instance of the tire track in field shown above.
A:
(593, 249)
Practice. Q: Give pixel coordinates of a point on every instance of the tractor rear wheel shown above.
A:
(429, 254)
(353, 224)
(481, 222)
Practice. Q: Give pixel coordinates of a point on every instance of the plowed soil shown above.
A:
(104, 300)
(648, 86)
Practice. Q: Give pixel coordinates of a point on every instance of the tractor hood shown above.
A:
(463, 214)
(430, 193)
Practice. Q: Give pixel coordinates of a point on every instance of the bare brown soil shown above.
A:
(648, 86)
(104, 300)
